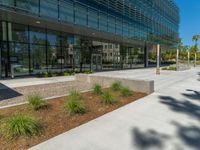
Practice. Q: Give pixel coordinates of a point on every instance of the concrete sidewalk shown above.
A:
(30, 81)
(168, 119)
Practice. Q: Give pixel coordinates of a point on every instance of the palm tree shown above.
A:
(195, 38)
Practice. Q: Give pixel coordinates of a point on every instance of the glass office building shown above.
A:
(79, 35)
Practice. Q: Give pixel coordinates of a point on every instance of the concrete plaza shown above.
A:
(168, 119)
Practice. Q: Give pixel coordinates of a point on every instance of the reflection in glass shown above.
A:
(19, 60)
(38, 58)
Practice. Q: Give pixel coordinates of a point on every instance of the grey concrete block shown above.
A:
(145, 86)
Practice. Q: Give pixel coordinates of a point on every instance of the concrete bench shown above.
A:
(145, 86)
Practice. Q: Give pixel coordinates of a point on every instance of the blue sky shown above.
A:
(190, 19)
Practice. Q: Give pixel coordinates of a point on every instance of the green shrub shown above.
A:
(74, 107)
(107, 98)
(88, 72)
(21, 125)
(171, 68)
(66, 74)
(36, 102)
(74, 95)
(97, 89)
(126, 92)
(74, 104)
(116, 86)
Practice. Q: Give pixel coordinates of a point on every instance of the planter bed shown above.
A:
(55, 121)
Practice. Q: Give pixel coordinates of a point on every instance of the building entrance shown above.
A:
(96, 62)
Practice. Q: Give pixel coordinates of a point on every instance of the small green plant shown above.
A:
(21, 125)
(46, 75)
(107, 98)
(88, 72)
(74, 104)
(116, 86)
(97, 89)
(66, 74)
(74, 95)
(36, 102)
(171, 68)
(126, 92)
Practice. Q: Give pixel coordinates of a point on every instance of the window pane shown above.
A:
(111, 24)
(49, 8)
(38, 59)
(67, 11)
(119, 26)
(81, 15)
(19, 59)
(29, 5)
(125, 29)
(19, 33)
(103, 22)
(92, 18)
(54, 58)
(7, 2)
(53, 38)
(37, 36)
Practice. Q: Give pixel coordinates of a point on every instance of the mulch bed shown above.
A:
(55, 121)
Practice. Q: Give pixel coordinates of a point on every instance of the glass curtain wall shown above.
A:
(18, 49)
(37, 50)
(142, 20)
(27, 50)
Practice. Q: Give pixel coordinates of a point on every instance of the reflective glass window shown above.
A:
(37, 36)
(92, 18)
(8, 2)
(111, 24)
(38, 58)
(67, 11)
(53, 38)
(19, 59)
(119, 26)
(18, 33)
(49, 8)
(80, 14)
(103, 22)
(29, 5)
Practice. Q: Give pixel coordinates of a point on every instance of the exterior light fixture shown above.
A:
(38, 22)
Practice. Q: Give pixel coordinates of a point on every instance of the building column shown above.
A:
(177, 60)
(146, 56)
(158, 60)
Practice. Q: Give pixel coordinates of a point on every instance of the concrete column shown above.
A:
(188, 58)
(177, 60)
(158, 60)
(146, 57)
(0, 62)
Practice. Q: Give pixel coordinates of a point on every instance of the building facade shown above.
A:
(80, 35)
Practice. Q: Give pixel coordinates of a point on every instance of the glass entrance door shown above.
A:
(96, 62)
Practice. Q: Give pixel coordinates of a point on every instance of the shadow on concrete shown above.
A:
(7, 93)
(148, 139)
(190, 135)
(195, 95)
(184, 106)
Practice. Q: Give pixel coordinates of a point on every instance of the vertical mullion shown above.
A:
(29, 49)
(46, 50)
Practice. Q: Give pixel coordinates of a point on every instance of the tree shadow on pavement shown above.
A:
(190, 135)
(148, 139)
(184, 106)
(195, 95)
